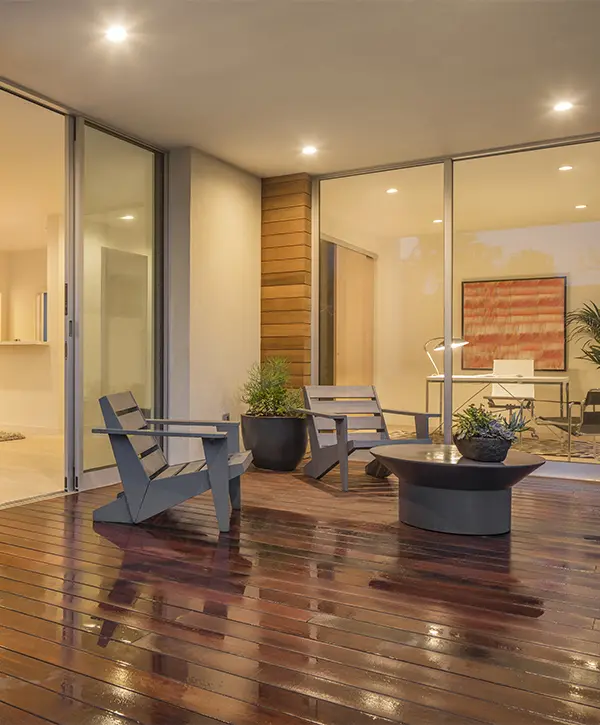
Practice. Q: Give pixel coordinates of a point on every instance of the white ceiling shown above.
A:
(497, 192)
(367, 82)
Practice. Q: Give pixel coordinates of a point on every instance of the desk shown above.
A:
(562, 381)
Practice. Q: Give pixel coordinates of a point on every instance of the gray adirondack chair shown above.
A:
(150, 484)
(344, 419)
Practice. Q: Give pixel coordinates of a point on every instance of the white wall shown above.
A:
(214, 277)
(32, 377)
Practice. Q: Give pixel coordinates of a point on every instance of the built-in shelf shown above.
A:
(23, 342)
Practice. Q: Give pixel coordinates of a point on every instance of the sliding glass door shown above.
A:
(32, 319)
(117, 268)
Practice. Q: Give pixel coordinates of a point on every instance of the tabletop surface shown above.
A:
(440, 454)
(490, 377)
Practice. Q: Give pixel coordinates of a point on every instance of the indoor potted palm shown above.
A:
(272, 427)
(584, 324)
(482, 435)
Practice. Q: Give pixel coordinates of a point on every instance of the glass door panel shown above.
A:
(117, 297)
(32, 278)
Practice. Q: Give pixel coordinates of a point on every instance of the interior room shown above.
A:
(32, 275)
(525, 240)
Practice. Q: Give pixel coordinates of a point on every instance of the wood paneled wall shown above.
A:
(286, 272)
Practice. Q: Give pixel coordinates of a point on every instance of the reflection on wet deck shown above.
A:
(318, 607)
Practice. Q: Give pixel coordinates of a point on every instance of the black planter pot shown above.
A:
(487, 450)
(277, 444)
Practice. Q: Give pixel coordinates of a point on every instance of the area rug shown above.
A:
(5, 436)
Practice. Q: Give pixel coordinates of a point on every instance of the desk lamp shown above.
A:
(439, 347)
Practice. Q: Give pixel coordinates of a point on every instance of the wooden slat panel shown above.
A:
(121, 401)
(154, 462)
(329, 439)
(288, 239)
(286, 343)
(286, 265)
(301, 186)
(142, 444)
(286, 271)
(286, 317)
(283, 291)
(287, 227)
(289, 330)
(355, 422)
(291, 303)
(345, 406)
(287, 214)
(133, 420)
(291, 355)
(341, 391)
(295, 251)
(285, 200)
(286, 278)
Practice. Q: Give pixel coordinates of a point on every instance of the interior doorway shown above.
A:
(32, 299)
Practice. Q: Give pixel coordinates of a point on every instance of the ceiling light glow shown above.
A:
(116, 34)
(563, 106)
(438, 221)
(127, 217)
(309, 150)
(565, 168)
(391, 191)
(581, 206)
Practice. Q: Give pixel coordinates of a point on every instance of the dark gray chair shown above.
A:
(344, 419)
(150, 484)
(587, 423)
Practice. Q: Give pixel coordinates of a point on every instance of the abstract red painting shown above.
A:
(515, 319)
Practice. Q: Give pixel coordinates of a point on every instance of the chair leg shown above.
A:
(235, 493)
(376, 469)
(218, 476)
(115, 512)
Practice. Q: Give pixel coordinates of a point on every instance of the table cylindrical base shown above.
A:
(455, 511)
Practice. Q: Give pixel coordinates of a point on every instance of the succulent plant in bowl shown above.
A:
(482, 435)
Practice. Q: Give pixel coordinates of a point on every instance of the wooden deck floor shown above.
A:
(318, 608)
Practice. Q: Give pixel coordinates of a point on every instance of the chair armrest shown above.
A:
(410, 412)
(159, 433)
(218, 423)
(316, 414)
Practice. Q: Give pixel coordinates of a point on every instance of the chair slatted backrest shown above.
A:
(359, 403)
(590, 416)
(121, 411)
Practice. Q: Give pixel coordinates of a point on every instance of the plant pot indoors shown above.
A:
(272, 428)
(482, 436)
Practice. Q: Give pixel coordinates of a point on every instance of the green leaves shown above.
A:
(266, 391)
(480, 422)
(584, 324)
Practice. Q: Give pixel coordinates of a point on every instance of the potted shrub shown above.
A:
(272, 427)
(483, 436)
(584, 324)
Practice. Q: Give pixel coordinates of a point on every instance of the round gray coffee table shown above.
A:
(442, 491)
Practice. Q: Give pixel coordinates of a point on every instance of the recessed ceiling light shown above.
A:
(581, 206)
(391, 191)
(563, 106)
(309, 150)
(116, 34)
(565, 168)
(127, 217)
(438, 221)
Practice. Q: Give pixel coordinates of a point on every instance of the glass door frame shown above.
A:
(448, 252)
(80, 479)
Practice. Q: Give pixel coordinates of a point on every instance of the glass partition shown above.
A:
(118, 287)
(526, 255)
(32, 278)
(381, 283)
